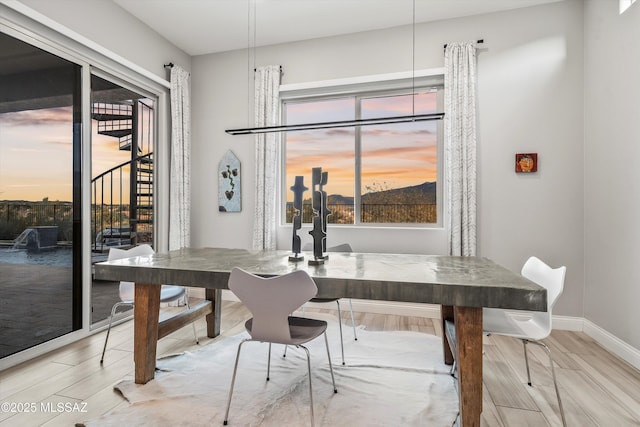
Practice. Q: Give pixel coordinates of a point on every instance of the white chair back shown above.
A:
(127, 289)
(552, 279)
(344, 247)
(271, 301)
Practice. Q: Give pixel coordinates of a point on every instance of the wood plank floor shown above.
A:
(597, 388)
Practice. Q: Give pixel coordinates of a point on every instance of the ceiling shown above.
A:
(206, 26)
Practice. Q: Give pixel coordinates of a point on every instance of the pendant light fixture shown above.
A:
(349, 123)
(338, 124)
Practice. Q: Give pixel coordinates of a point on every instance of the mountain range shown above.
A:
(425, 192)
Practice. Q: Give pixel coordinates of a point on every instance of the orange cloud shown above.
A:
(50, 116)
(400, 105)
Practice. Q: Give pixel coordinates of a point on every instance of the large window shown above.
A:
(381, 174)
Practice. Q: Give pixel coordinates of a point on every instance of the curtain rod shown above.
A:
(255, 69)
(170, 64)
(477, 41)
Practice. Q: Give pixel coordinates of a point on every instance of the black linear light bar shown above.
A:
(344, 123)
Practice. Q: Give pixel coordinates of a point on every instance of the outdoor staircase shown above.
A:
(120, 120)
(115, 120)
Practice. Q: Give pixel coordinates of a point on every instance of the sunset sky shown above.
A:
(393, 156)
(36, 148)
(36, 154)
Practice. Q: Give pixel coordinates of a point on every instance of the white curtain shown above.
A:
(267, 113)
(180, 186)
(460, 145)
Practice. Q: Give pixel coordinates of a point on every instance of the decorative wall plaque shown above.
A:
(526, 162)
(229, 184)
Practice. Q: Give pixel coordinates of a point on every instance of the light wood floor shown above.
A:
(597, 388)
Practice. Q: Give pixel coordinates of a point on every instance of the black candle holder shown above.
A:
(319, 205)
(298, 189)
(325, 211)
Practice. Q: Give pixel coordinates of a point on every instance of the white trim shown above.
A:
(362, 84)
(44, 348)
(369, 306)
(85, 190)
(375, 78)
(607, 340)
(568, 323)
(93, 46)
(431, 311)
(612, 343)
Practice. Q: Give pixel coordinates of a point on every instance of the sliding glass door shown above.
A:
(40, 197)
(122, 170)
(78, 177)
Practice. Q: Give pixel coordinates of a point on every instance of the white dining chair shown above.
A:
(344, 247)
(271, 301)
(531, 326)
(168, 293)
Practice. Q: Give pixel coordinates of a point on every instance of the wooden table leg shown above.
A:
(468, 324)
(446, 313)
(145, 333)
(213, 318)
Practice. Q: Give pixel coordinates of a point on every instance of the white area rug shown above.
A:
(390, 379)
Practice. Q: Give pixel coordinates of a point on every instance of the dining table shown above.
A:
(462, 286)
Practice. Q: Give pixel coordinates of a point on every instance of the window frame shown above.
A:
(367, 87)
(29, 26)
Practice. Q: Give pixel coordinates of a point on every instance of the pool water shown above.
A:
(59, 256)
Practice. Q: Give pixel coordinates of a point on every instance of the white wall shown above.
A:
(532, 77)
(612, 185)
(530, 82)
(112, 27)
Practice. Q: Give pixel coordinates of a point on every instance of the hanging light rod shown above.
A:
(339, 124)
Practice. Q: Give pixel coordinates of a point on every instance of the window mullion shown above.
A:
(357, 196)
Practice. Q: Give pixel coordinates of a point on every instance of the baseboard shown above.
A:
(607, 340)
(568, 323)
(370, 306)
(432, 311)
(612, 343)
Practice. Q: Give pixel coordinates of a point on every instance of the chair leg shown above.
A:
(353, 322)
(113, 312)
(340, 326)
(555, 382)
(333, 380)
(269, 362)
(310, 387)
(233, 381)
(286, 346)
(526, 361)
(195, 334)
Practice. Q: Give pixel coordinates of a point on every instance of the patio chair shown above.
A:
(344, 247)
(169, 293)
(530, 326)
